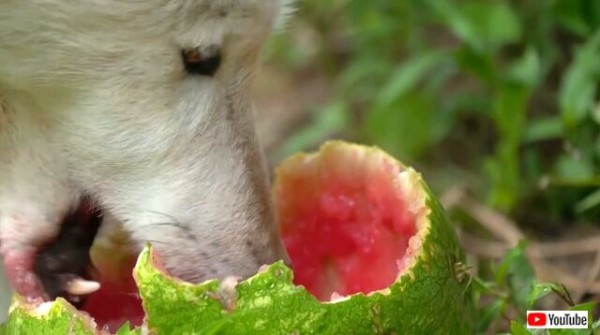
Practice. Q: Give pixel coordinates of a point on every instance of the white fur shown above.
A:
(94, 98)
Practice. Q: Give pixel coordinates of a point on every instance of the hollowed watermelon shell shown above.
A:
(428, 296)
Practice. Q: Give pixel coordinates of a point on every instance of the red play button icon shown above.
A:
(536, 319)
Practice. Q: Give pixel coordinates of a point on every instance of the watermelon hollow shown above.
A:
(118, 300)
(351, 219)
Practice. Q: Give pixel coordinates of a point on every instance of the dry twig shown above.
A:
(508, 235)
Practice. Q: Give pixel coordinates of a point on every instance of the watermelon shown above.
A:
(371, 249)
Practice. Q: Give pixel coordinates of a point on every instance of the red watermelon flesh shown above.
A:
(117, 301)
(345, 226)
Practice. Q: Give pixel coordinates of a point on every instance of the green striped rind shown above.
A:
(429, 300)
(57, 317)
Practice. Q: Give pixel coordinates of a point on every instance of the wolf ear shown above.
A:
(286, 10)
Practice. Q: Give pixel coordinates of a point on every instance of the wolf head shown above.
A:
(146, 106)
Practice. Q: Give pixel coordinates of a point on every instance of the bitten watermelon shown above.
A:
(371, 249)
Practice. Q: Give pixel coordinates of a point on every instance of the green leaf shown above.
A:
(489, 313)
(543, 129)
(518, 329)
(527, 69)
(404, 127)
(481, 66)
(517, 274)
(484, 287)
(510, 111)
(513, 255)
(588, 306)
(569, 167)
(458, 23)
(407, 75)
(579, 16)
(332, 118)
(540, 290)
(362, 71)
(484, 26)
(589, 202)
(578, 89)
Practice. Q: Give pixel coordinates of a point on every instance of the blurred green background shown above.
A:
(495, 98)
(500, 96)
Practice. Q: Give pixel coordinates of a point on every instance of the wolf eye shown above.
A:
(203, 62)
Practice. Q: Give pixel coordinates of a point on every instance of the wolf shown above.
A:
(143, 107)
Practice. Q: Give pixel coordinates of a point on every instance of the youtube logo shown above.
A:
(536, 319)
(558, 320)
